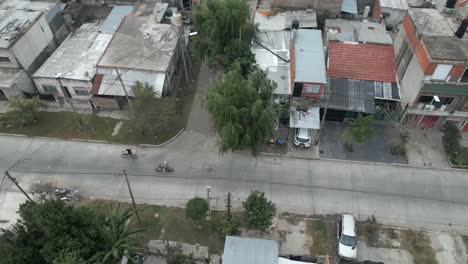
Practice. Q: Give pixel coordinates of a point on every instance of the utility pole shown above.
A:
(182, 51)
(125, 89)
(208, 188)
(81, 119)
(131, 196)
(228, 206)
(12, 179)
(323, 118)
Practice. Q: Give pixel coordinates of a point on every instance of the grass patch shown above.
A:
(318, 237)
(172, 220)
(419, 245)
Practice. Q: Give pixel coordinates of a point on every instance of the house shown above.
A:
(259, 251)
(141, 50)
(361, 77)
(66, 77)
(24, 38)
(308, 75)
(393, 12)
(356, 31)
(431, 54)
(360, 9)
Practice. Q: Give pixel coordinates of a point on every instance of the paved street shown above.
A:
(398, 195)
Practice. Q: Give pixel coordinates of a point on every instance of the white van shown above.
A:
(347, 242)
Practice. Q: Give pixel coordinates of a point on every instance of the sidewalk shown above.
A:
(118, 114)
(424, 148)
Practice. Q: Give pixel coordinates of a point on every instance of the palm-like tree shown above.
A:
(119, 241)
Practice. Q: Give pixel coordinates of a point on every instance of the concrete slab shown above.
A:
(385, 255)
(9, 205)
(449, 249)
(424, 148)
(376, 149)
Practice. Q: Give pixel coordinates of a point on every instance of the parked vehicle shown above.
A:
(347, 243)
(303, 137)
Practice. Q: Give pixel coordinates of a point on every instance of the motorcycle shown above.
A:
(164, 167)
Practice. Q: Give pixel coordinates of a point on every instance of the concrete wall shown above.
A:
(395, 16)
(411, 82)
(81, 101)
(105, 103)
(22, 84)
(32, 43)
(12, 64)
(398, 41)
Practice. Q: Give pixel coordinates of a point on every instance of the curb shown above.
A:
(164, 143)
(390, 164)
(88, 140)
(460, 167)
(12, 135)
(274, 155)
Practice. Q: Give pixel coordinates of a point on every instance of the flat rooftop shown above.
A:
(27, 5)
(395, 4)
(443, 47)
(78, 55)
(271, 21)
(139, 43)
(430, 22)
(14, 23)
(367, 32)
(310, 59)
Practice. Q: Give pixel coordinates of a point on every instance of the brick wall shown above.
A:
(457, 70)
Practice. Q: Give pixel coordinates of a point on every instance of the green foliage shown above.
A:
(398, 149)
(228, 226)
(196, 208)
(258, 211)
(24, 112)
(151, 113)
(359, 131)
(224, 32)
(242, 109)
(326, 14)
(451, 141)
(51, 232)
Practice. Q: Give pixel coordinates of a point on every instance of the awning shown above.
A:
(304, 117)
(350, 95)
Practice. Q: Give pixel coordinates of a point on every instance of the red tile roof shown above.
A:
(369, 62)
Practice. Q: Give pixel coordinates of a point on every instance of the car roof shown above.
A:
(348, 225)
(303, 133)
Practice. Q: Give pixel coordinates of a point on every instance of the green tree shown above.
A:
(228, 226)
(118, 240)
(224, 32)
(258, 211)
(359, 131)
(151, 114)
(69, 258)
(196, 208)
(48, 228)
(242, 109)
(23, 112)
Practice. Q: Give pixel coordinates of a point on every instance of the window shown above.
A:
(312, 88)
(4, 59)
(51, 89)
(464, 77)
(81, 91)
(441, 72)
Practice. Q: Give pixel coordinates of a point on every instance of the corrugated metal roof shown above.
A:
(250, 251)
(350, 95)
(444, 89)
(349, 6)
(113, 20)
(305, 119)
(310, 60)
(386, 91)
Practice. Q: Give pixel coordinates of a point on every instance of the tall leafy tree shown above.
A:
(360, 130)
(224, 32)
(242, 108)
(151, 113)
(258, 211)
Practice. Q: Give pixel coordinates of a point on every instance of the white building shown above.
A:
(68, 74)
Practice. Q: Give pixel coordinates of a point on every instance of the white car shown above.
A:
(347, 243)
(303, 137)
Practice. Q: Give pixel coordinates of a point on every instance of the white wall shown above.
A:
(81, 101)
(33, 42)
(411, 82)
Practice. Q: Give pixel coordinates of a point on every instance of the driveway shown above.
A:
(397, 195)
(199, 119)
(376, 149)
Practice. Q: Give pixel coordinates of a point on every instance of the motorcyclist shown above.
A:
(129, 152)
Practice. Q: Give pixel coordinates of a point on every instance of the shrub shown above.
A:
(228, 226)
(24, 112)
(398, 149)
(451, 141)
(259, 211)
(196, 208)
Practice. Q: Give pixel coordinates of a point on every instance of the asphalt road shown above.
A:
(433, 199)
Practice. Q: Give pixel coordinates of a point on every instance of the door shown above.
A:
(67, 92)
(3, 96)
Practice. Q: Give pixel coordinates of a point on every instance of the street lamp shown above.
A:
(434, 98)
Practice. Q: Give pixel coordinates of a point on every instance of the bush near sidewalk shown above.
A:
(451, 141)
